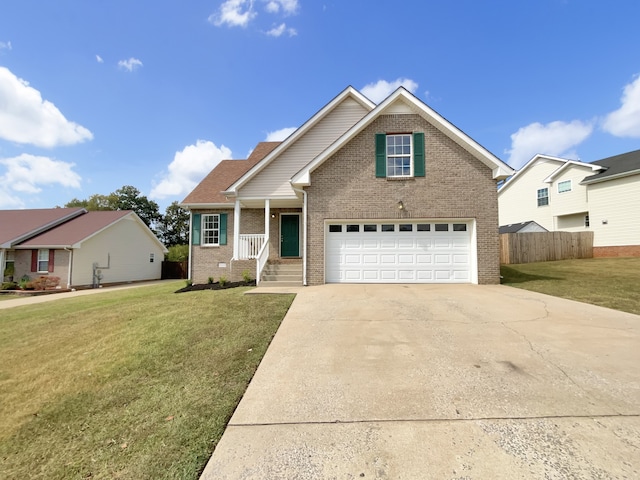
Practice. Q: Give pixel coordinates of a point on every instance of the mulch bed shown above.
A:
(215, 286)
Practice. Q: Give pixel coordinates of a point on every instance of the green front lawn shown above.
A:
(608, 282)
(134, 384)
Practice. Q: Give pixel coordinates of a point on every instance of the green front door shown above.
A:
(289, 235)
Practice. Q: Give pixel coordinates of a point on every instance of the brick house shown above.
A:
(361, 193)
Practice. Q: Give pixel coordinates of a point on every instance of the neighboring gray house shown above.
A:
(361, 193)
(67, 242)
(522, 227)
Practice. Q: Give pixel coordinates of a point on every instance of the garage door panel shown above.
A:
(398, 256)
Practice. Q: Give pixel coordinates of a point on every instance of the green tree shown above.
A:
(125, 198)
(173, 229)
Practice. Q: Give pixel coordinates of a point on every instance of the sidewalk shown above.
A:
(20, 301)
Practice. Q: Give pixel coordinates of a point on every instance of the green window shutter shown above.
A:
(223, 229)
(195, 229)
(418, 154)
(381, 155)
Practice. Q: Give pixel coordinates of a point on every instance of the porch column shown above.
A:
(267, 219)
(2, 264)
(236, 229)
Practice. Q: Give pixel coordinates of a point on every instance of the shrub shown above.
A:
(9, 286)
(188, 282)
(246, 276)
(223, 281)
(24, 281)
(177, 253)
(210, 280)
(44, 283)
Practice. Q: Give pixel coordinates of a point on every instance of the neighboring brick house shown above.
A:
(361, 193)
(568, 195)
(67, 242)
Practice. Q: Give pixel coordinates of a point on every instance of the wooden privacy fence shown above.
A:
(174, 269)
(544, 246)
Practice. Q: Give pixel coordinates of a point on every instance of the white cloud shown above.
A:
(99, 59)
(5, 46)
(234, 13)
(625, 122)
(288, 7)
(280, 30)
(26, 118)
(376, 92)
(555, 138)
(188, 167)
(27, 174)
(130, 65)
(280, 135)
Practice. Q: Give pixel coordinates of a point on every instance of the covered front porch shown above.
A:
(280, 250)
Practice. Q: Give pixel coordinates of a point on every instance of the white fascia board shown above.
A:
(567, 164)
(200, 206)
(499, 169)
(347, 92)
(534, 159)
(611, 177)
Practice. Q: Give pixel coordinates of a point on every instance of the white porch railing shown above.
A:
(250, 245)
(263, 256)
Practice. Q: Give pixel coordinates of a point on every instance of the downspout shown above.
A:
(304, 234)
(69, 276)
(190, 245)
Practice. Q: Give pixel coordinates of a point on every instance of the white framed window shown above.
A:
(9, 261)
(211, 229)
(43, 260)
(152, 257)
(543, 197)
(399, 154)
(564, 186)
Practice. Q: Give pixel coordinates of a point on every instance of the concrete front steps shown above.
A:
(284, 274)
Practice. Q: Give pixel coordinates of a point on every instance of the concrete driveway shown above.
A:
(439, 382)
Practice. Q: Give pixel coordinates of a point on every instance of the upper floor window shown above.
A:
(564, 186)
(400, 155)
(211, 229)
(399, 162)
(543, 197)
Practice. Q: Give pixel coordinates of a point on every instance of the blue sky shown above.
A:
(97, 95)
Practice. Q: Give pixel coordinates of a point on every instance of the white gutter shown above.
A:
(304, 234)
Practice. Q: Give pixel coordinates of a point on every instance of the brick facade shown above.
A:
(617, 251)
(456, 185)
(22, 266)
(206, 260)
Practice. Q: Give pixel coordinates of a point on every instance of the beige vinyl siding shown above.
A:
(519, 202)
(572, 202)
(129, 245)
(618, 203)
(273, 180)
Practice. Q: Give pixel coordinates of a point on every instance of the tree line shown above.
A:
(172, 228)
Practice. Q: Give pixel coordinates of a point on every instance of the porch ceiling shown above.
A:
(273, 203)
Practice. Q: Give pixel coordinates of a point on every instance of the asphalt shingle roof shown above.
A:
(210, 189)
(616, 165)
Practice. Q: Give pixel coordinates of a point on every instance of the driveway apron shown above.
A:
(435, 381)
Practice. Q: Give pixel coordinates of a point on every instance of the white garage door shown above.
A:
(387, 252)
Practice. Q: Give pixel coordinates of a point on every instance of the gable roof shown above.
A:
(516, 227)
(79, 229)
(209, 190)
(563, 163)
(403, 98)
(348, 92)
(618, 166)
(19, 225)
